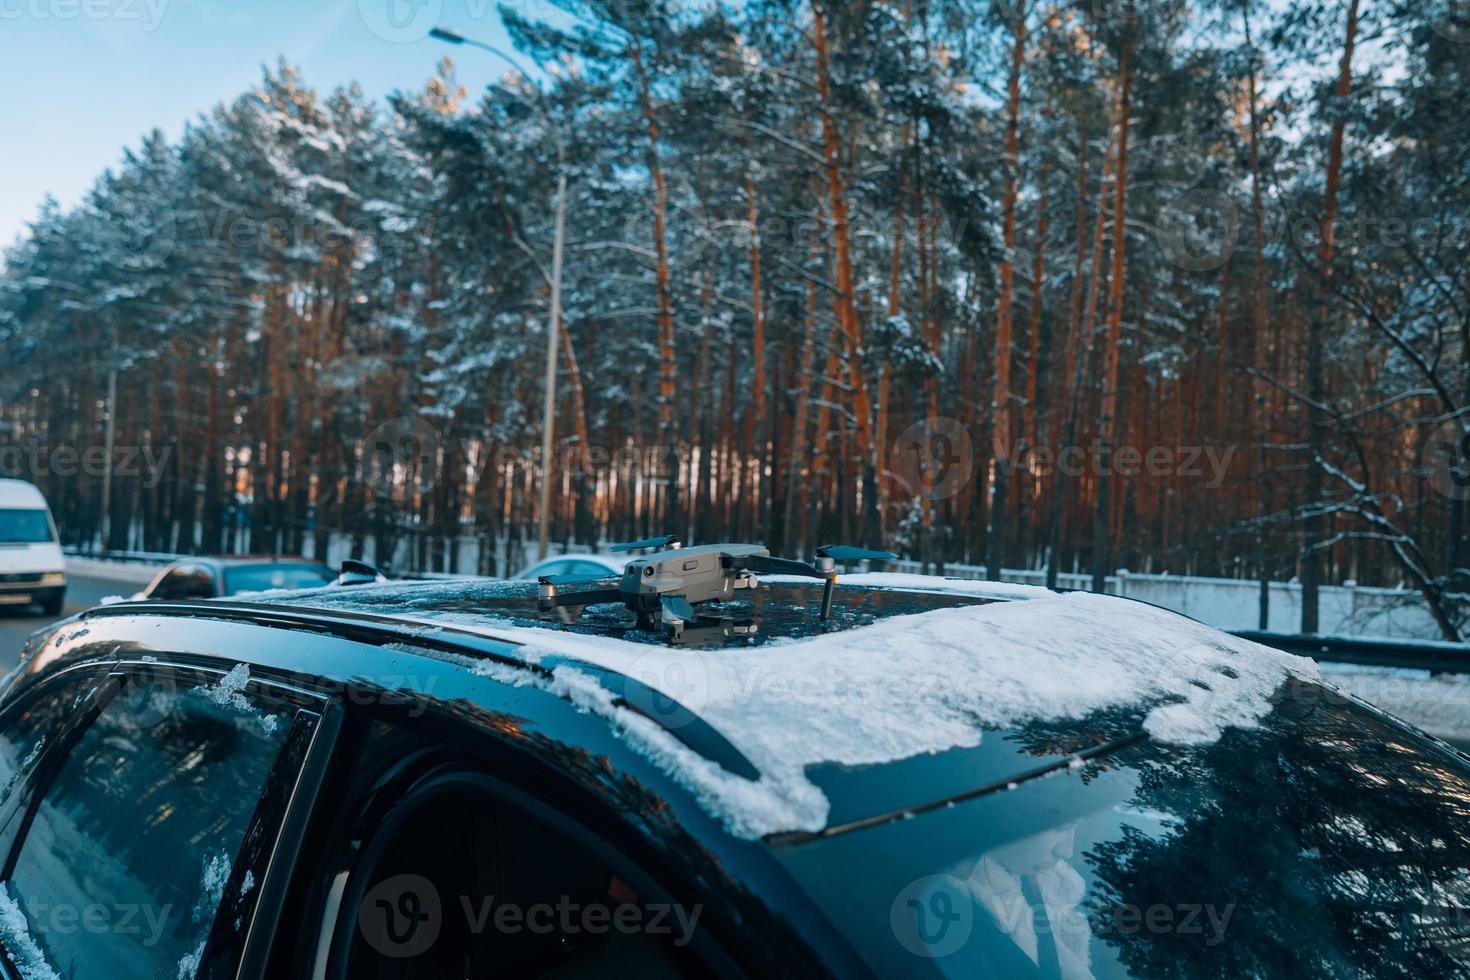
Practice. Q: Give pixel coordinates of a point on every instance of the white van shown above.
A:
(31, 566)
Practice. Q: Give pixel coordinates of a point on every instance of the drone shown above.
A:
(664, 589)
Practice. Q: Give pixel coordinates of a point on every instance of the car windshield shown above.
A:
(280, 575)
(1326, 843)
(24, 527)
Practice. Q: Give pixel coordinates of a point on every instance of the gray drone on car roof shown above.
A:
(664, 589)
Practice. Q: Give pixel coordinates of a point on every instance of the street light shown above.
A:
(548, 416)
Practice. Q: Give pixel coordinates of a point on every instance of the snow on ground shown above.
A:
(1438, 704)
(906, 686)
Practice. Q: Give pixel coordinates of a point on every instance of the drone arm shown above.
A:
(547, 597)
(824, 568)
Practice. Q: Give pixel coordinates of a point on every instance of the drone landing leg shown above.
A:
(827, 597)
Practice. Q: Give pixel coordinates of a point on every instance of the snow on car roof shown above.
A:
(900, 687)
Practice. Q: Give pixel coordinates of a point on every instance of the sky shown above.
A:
(85, 78)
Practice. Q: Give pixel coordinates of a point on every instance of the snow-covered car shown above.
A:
(439, 779)
(574, 567)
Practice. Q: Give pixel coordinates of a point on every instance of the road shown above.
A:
(82, 592)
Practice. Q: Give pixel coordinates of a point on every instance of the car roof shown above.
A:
(19, 493)
(231, 561)
(910, 667)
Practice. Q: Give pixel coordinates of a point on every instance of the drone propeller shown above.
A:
(677, 607)
(667, 540)
(842, 552)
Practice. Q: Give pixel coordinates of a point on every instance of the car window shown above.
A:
(24, 526)
(591, 569)
(36, 721)
(258, 578)
(560, 567)
(457, 883)
(131, 846)
(186, 582)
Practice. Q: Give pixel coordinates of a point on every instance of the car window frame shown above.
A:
(334, 948)
(182, 571)
(270, 847)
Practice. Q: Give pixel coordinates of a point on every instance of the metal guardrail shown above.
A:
(145, 557)
(1436, 656)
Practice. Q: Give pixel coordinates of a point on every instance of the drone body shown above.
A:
(663, 589)
(702, 574)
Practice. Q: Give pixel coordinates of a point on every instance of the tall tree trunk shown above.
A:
(667, 362)
(1316, 368)
(1259, 340)
(845, 301)
(1107, 421)
(756, 409)
(1000, 401)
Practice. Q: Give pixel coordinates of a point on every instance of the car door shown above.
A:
(430, 869)
(142, 823)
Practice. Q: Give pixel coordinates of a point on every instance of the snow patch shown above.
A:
(212, 881)
(16, 933)
(227, 694)
(913, 685)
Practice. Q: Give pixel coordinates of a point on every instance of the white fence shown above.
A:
(1234, 604)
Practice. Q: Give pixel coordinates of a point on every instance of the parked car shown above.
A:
(208, 578)
(570, 568)
(32, 569)
(437, 779)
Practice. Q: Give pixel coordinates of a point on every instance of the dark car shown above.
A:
(208, 578)
(435, 780)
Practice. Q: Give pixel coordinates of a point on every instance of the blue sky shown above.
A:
(84, 78)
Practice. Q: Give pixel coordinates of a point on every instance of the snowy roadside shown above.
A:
(113, 571)
(1439, 705)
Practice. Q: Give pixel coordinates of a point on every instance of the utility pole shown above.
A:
(548, 414)
(110, 435)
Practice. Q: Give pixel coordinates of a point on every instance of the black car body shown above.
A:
(344, 785)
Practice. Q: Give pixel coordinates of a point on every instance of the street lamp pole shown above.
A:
(548, 411)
